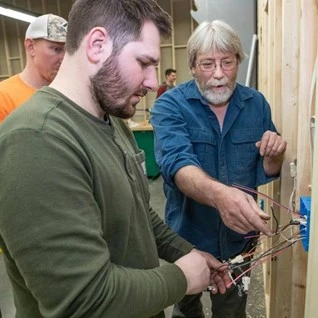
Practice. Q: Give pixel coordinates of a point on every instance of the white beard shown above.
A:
(217, 98)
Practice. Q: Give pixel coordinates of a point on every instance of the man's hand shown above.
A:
(195, 268)
(239, 211)
(272, 147)
(219, 277)
(271, 144)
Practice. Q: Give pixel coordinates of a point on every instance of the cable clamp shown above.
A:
(301, 221)
(246, 282)
(237, 260)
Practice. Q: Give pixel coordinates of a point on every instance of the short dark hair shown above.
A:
(123, 20)
(169, 71)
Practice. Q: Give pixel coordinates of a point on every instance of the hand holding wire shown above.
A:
(285, 236)
(219, 277)
(240, 212)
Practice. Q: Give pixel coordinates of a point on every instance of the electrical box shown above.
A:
(305, 206)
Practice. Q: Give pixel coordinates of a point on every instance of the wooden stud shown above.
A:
(311, 304)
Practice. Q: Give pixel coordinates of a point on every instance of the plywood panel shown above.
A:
(282, 287)
(12, 36)
(307, 56)
(25, 4)
(308, 52)
(270, 51)
(183, 72)
(4, 71)
(290, 84)
(286, 84)
(36, 6)
(15, 65)
(311, 307)
(51, 7)
(64, 8)
(181, 21)
(270, 38)
(167, 6)
(166, 61)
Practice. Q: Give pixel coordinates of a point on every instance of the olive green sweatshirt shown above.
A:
(78, 235)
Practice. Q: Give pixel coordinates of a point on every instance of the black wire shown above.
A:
(277, 224)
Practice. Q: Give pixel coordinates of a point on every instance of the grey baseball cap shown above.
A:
(49, 27)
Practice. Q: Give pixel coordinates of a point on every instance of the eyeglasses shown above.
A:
(210, 66)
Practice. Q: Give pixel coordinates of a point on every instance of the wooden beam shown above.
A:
(290, 84)
(6, 46)
(308, 47)
(279, 294)
(307, 53)
(262, 84)
(311, 305)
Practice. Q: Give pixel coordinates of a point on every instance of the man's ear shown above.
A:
(192, 70)
(99, 45)
(29, 46)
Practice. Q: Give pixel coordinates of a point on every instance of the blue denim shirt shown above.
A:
(187, 132)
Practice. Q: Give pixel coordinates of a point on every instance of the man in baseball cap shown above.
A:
(44, 44)
(49, 27)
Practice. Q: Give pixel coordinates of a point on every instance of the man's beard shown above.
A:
(216, 98)
(109, 89)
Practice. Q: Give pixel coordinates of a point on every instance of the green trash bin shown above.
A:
(144, 139)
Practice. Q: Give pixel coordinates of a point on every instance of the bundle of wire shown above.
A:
(283, 238)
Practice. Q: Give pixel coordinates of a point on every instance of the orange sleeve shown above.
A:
(6, 106)
(13, 93)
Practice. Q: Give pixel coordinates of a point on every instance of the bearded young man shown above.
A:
(77, 232)
(210, 133)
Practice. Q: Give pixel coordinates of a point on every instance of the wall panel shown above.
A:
(183, 71)
(287, 52)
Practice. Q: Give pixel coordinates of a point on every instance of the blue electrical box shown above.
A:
(305, 206)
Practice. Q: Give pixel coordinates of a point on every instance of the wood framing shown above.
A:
(290, 82)
(311, 307)
(288, 49)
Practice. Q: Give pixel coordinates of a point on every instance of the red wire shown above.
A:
(256, 264)
(265, 196)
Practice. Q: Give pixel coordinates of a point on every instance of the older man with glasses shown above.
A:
(211, 133)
